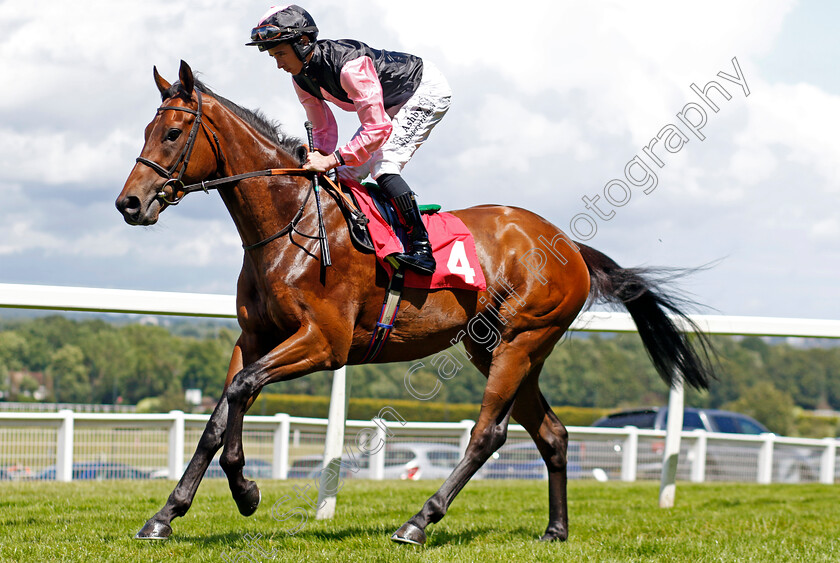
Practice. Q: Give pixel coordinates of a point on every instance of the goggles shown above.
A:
(265, 36)
(270, 33)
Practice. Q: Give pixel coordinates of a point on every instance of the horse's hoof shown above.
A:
(154, 530)
(409, 533)
(555, 534)
(248, 502)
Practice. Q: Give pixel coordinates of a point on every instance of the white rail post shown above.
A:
(176, 445)
(630, 454)
(328, 484)
(671, 457)
(280, 461)
(466, 434)
(827, 461)
(698, 465)
(64, 447)
(377, 459)
(765, 459)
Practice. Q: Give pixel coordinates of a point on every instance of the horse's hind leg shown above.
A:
(506, 373)
(532, 411)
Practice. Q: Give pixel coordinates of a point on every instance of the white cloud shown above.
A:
(798, 119)
(753, 164)
(826, 229)
(548, 96)
(60, 157)
(18, 235)
(507, 132)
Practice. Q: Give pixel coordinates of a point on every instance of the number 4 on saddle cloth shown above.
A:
(453, 248)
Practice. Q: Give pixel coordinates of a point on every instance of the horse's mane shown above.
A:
(268, 128)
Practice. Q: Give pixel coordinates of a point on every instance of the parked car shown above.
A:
(724, 462)
(523, 461)
(403, 460)
(254, 469)
(710, 420)
(97, 471)
(15, 472)
(420, 460)
(309, 467)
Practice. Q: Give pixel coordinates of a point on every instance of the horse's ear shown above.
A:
(162, 84)
(187, 79)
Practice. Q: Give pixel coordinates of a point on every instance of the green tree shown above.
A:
(13, 350)
(757, 345)
(154, 359)
(205, 366)
(29, 385)
(793, 370)
(767, 404)
(45, 335)
(830, 360)
(737, 369)
(106, 358)
(69, 375)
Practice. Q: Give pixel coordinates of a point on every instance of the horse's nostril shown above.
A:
(129, 204)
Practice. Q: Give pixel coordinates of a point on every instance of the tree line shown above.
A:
(102, 362)
(99, 362)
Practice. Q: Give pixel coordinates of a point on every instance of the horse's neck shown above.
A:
(259, 206)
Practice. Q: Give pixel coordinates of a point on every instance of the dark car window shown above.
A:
(725, 423)
(691, 421)
(398, 457)
(637, 419)
(444, 459)
(750, 427)
(527, 454)
(305, 463)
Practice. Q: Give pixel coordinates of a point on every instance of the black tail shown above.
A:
(668, 347)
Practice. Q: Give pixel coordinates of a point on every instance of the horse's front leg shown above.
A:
(179, 501)
(308, 350)
(158, 526)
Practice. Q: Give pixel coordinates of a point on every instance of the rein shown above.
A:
(180, 190)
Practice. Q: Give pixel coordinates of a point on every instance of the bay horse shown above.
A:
(298, 316)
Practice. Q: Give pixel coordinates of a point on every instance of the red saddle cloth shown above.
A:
(452, 246)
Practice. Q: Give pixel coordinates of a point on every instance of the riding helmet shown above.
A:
(285, 24)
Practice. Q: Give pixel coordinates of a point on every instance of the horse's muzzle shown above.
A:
(132, 210)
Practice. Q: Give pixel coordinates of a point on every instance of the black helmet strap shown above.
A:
(301, 50)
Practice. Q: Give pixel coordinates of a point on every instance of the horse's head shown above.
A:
(174, 152)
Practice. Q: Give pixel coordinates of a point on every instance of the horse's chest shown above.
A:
(259, 312)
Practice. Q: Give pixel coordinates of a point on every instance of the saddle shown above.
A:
(368, 235)
(357, 221)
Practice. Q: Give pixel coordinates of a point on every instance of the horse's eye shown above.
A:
(173, 134)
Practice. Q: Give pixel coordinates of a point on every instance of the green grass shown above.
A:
(489, 521)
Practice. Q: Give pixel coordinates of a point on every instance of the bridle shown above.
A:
(184, 158)
(180, 190)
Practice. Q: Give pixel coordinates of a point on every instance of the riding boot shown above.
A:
(419, 256)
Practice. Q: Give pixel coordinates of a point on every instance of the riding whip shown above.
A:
(322, 232)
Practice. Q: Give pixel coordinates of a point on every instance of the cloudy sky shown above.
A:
(552, 100)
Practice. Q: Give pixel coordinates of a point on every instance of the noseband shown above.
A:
(183, 161)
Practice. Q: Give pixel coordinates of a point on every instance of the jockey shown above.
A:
(398, 97)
